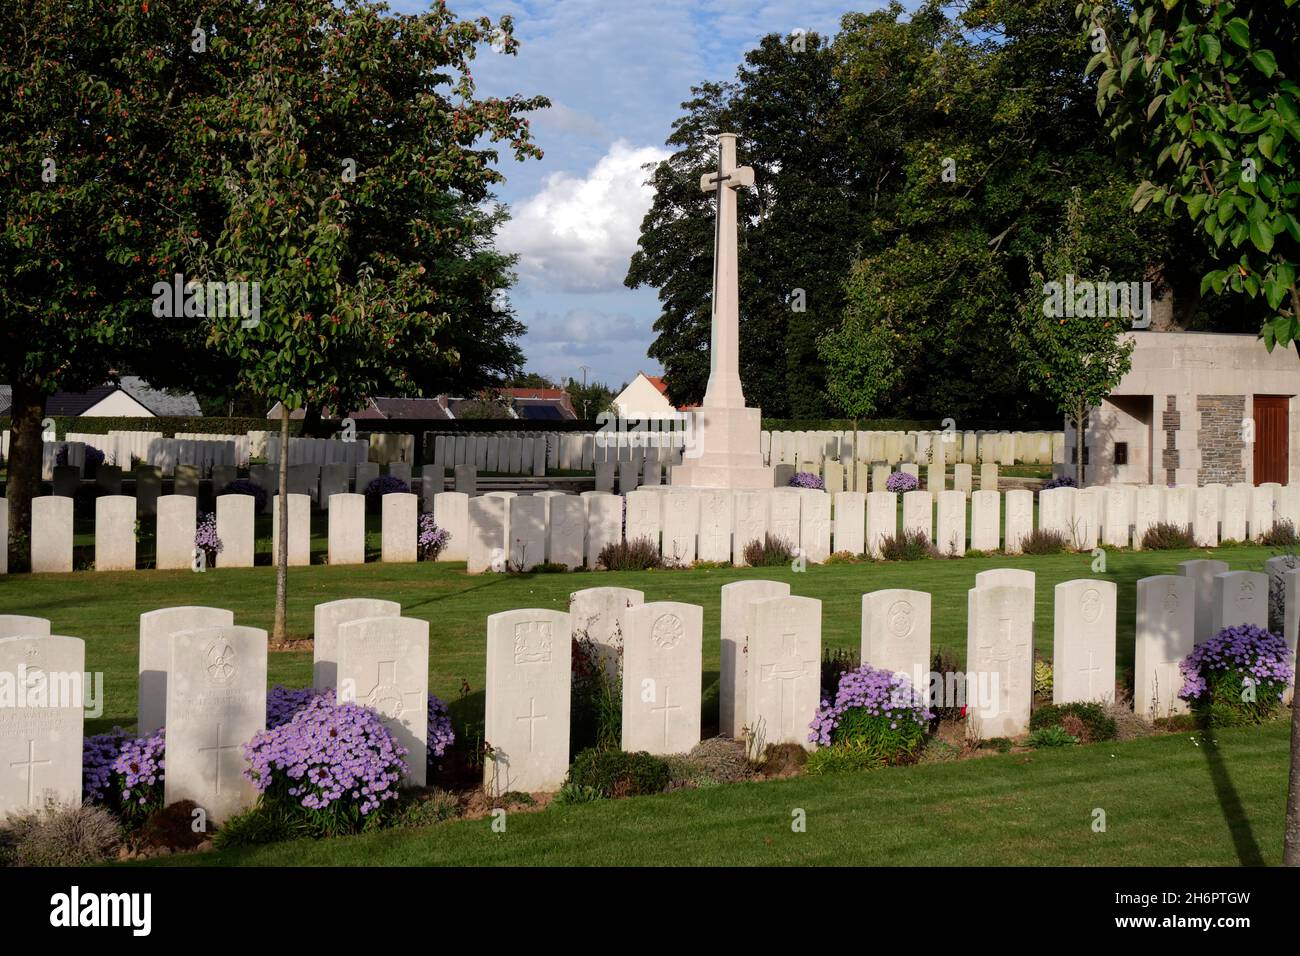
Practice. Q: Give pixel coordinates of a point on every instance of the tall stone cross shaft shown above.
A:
(722, 446)
(724, 389)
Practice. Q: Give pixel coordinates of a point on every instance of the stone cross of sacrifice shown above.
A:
(724, 356)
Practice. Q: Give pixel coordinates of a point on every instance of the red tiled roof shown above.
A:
(658, 383)
(551, 394)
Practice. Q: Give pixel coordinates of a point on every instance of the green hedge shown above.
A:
(168, 426)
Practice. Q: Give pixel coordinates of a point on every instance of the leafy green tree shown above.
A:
(592, 399)
(1074, 360)
(1206, 94)
(352, 180)
(861, 367)
(93, 185)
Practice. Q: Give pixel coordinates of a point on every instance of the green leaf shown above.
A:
(1264, 61)
(1239, 32)
(1210, 48)
(1196, 205)
(1266, 145)
(1261, 235)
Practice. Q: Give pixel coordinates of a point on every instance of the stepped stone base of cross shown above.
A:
(723, 451)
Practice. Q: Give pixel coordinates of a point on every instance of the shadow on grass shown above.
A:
(1234, 813)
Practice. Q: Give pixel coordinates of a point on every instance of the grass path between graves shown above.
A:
(104, 608)
(1168, 801)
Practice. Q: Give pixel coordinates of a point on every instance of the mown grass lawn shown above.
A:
(104, 608)
(1168, 801)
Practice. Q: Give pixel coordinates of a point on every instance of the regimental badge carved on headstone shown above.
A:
(533, 642)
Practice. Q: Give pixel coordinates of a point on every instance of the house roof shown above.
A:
(157, 401)
(421, 408)
(541, 409)
(658, 383)
(552, 394)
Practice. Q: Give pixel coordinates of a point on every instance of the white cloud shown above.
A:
(578, 232)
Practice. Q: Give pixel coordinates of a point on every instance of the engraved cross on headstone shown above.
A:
(532, 717)
(217, 749)
(666, 710)
(30, 765)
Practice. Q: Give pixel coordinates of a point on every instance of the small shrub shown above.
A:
(711, 763)
(779, 760)
(639, 555)
(1167, 536)
(806, 479)
(331, 767)
(550, 567)
(842, 557)
(1051, 737)
(1042, 679)
(1063, 481)
(1237, 677)
(1281, 535)
(909, 545)
(1129, 725)
(172, 827)
(1002, 745)
(206, 539)
(1093, 723)
(876, 711)
(64, 836)
(428, 810)
(901, 481)
(432, 539)
(939, 751)
(257, 826)
(1043, 541)
(246, 486)
(376, 488)
(615, 773)
(571, 794)
(771, 552)
(944, 662)
(517, 798)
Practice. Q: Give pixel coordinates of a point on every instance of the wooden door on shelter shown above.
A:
(1271, 446)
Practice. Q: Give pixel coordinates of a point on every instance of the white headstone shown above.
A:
(526, 712)
(1261, 510)
(567, 531)
(985, 520)
(1083, 642)
(1000, 651)
(734, 653)
(327, 619)
(644, 516)
(784, 672)
(347, 529)
(604, 524)
(1056, 511)
(487, 534)
(951, 536)
(1087, 518)
(235, 517)
(918, 513)
(216, 703)
(716, 515)
(51, 541)
(299, 530)
(156, 630)
(115, 533)
(1020, 519)
(681, 522)
(400, 517)
(1240, 597)
(383, 663)
(750, 511)
(896, 633)
(451, 513)
(1115, 517)
(815, 525)
(1177, 509)
(1146, 512)
(527, 531)
(41, 731)
(1164, 636)
(882, 519)
(21, 625)
(1205, 520)
(1202, 574)
(596, 615)
(850, 522)
(662, 658)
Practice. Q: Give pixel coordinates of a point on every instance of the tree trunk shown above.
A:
(24, 472)
(1291, 835)
(1080, 443)
(281, 557)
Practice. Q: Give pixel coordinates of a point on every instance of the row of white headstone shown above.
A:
(893, 447)
(203, 678)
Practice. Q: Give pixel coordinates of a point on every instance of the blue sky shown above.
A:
(616, 72)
